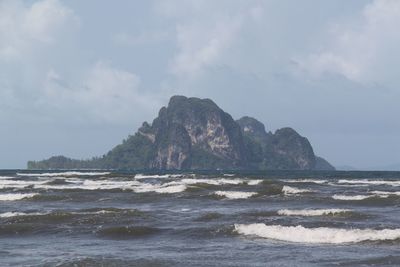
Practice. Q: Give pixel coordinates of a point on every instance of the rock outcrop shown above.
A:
(193, 133)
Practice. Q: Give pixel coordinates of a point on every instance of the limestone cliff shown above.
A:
(193, 133)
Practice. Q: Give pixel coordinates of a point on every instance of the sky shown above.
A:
(77, 77)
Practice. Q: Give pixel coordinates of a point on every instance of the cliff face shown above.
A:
(191, 127)
(193, 133)
(285, 149)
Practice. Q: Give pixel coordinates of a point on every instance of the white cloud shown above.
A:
(365, 49)
(105, 94)
(205, 31)
(23, 27)
(202, 45)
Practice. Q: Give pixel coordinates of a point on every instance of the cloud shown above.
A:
(105, 94)
(22, 27)
(202, 45)
(205, 31)
(365, 49)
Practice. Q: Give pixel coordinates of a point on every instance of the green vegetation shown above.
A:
(193, 133)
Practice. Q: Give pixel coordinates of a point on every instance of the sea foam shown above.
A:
(156, 176)
(357, 197)
(16, 214)
(315, 181)
(289, 190)
(16, 196)
(235, 194)
(71, 173)
(370, 182)
(325, 235)
(157, 188)
(314, 212)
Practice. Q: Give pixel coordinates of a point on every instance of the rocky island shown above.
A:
(193, 133)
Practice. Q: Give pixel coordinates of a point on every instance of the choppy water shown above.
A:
(204, 219)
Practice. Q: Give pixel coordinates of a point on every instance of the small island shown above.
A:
(195, 134)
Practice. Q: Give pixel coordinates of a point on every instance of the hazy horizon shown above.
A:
(76, 80)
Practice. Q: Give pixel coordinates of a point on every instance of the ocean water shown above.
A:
(98, 218)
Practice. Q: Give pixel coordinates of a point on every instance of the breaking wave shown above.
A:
(315, 212)
(235, 194)
(385, 193)
(315, 181)
(370, 182)
(156, 176)
(289, 190)
(359, 197)
(322, 235)
(17, 214)
(70, 173)
(16, 196)
(4, 184)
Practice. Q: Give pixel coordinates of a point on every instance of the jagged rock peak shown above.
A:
(205, 130)
(254, 129)
(287, 142)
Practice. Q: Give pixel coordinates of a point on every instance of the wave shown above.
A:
(18, 214)
(217, 181)
(315, 181)
(321, 235)
(157, 188)
(156, 176)
(289, 190)
(235, 194)
(87, 185)
(254, 182)
(4, 184)
(385, 193)
(370, 182)
(316, 212)
(16, 196)
(70, 173)
(135, 186)
(357, 197)
(127, 232)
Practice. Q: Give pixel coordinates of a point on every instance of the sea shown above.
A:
(222, 218)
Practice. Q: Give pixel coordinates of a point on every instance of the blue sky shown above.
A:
(76, 77)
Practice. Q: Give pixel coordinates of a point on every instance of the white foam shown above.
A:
(315, 212)
(289, 190)
(385, 193)
(254, 182)
(91, 185)
(216, 181)
(235, 194)
(70, 173)
(5, 177)
(156, 176)
(322, 235)
(15, 214)
(355, 197)
(162, 189)
(18, 184)
(315, 181)
(370, 182)
(229, 174)
(16, 196)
